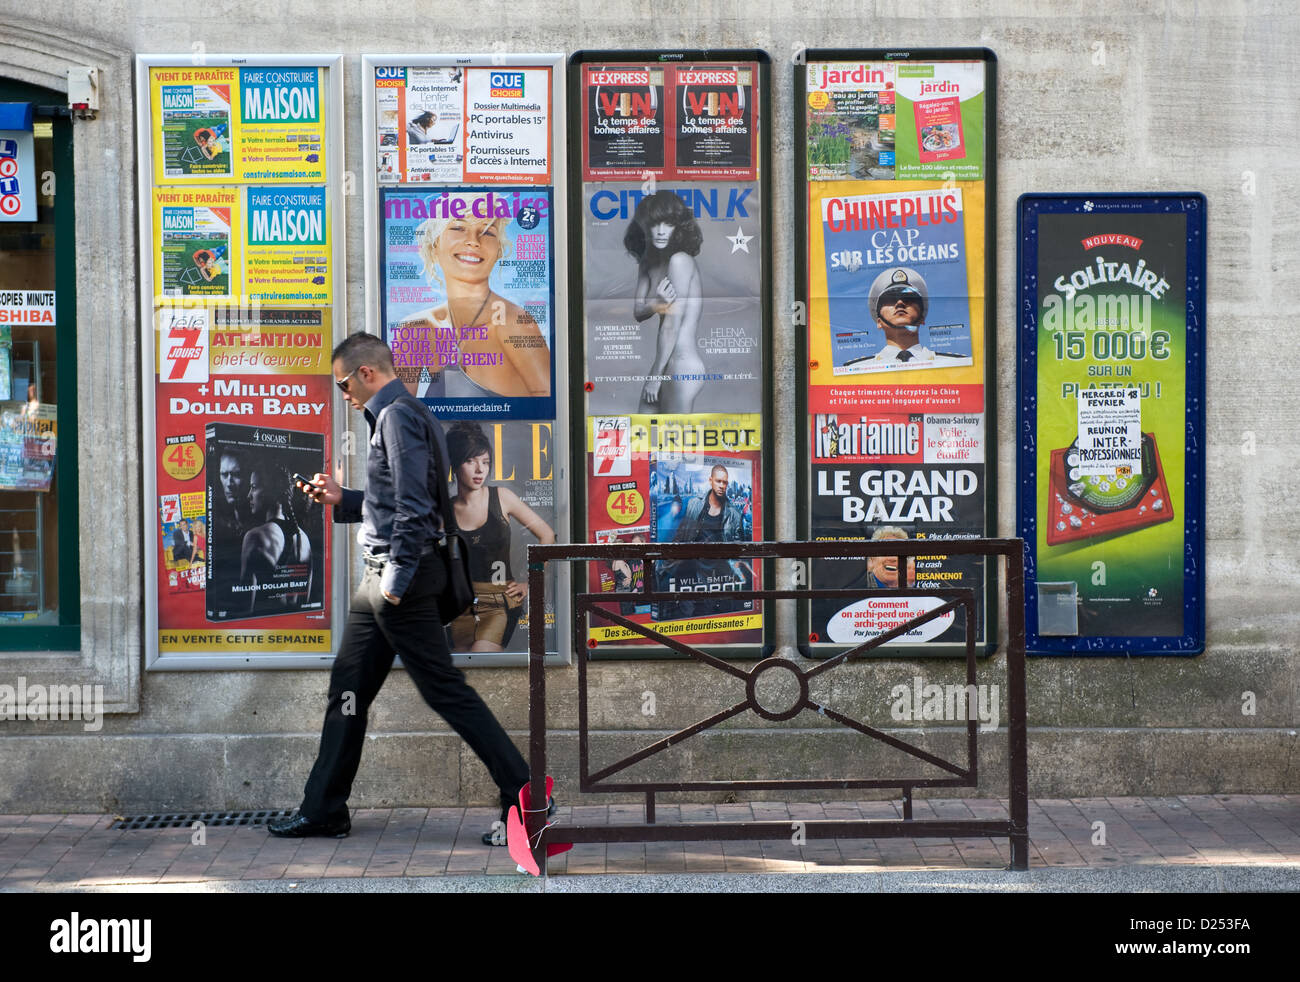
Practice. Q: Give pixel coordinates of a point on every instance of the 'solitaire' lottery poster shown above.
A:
(1111, 468)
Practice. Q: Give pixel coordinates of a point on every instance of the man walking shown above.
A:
(395, 610)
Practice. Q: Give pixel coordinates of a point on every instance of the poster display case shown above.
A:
(1111, 383)
(895, 187)
(671, 278)
(465, 204)
(241, 260)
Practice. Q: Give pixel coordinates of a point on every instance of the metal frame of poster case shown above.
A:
(560, 315)
(578, 433)
(331, 66)
(808, 646)
(1030, 207)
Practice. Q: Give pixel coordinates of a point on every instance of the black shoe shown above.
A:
(299, 826)
(490, 838)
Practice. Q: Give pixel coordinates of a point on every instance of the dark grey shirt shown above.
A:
(399, 507)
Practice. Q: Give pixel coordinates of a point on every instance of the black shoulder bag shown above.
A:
(458, 596)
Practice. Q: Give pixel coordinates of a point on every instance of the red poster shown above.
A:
(243, 401)
(938, 129)
(694, 479)
(696, 120)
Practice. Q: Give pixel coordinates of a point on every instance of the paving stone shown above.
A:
(52, 852)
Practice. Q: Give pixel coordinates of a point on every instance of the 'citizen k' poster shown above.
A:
(673, 308)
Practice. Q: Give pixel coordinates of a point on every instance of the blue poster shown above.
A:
(896, 281)
(467, 304)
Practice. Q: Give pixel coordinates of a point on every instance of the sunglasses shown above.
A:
(896, 293)
(342, 383)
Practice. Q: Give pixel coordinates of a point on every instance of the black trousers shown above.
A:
(375, 632)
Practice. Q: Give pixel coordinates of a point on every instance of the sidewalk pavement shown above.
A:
(1203, 843)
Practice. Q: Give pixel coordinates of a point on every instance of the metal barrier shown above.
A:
(588, 605)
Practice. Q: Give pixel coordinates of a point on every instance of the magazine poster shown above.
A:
(262, 124)
(714, 130)
(502, 492)
(876, 477)
(28, 445)
(184, 524)
(882, 250)
(196, 234)
(243, 400)
(693, 478)
(455, 123)
(420, 122)
(678, 330)
(287, 246)
(508, 137)
(1111, 418)
(625, 121)
(468, 302)
(915, 252)
(268, 246)
(851, 121)
(940, 121)
(694, 120)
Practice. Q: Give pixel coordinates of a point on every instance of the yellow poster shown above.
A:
(267, 246)
(286, 246)
(196, 243)
(215, 125)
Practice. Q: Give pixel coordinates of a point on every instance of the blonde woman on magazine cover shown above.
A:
(500, 351)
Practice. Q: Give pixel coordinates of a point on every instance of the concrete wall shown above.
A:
(1123, 96)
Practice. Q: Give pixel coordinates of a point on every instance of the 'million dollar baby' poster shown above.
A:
(243, 400)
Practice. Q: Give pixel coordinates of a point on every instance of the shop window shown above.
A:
(39, 582)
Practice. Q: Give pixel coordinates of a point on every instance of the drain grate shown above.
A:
(187, 820)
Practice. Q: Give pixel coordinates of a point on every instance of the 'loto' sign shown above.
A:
(17, 176)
